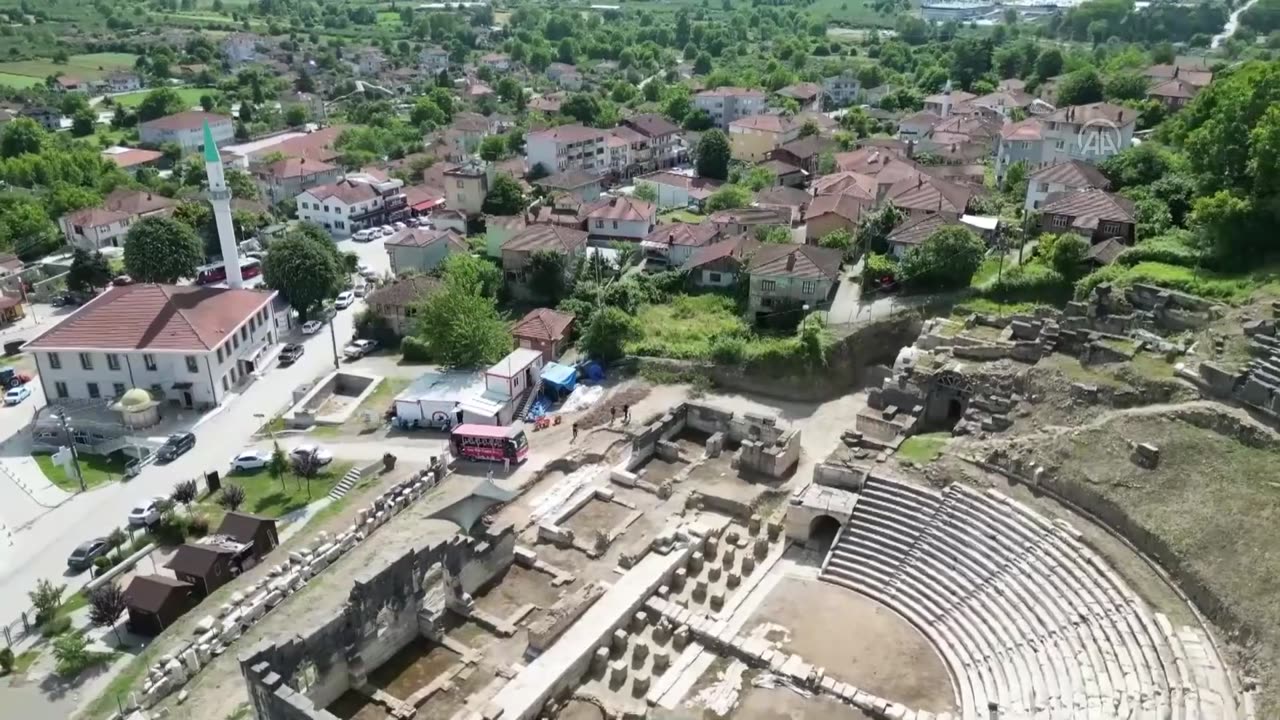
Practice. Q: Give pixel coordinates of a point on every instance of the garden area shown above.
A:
(260, 492)
(96, 470)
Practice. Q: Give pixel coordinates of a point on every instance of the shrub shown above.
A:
(103, 563)
(1030, 282)
(415, 349)
(6, 660)
(198, 526)
(171, 529)
(1170, 248)
(46, 599)
(55, 626)
(728, 350)
(72, 653)
(877, 266)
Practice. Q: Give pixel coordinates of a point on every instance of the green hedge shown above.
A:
(1031, 282)
(415, 349)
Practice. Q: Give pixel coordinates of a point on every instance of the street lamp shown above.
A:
(333, 339)
(75, 457)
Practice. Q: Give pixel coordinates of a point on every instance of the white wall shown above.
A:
(635, 229)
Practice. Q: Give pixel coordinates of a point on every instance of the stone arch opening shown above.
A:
(822, 533)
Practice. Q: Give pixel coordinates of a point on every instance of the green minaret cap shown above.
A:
(210, 149)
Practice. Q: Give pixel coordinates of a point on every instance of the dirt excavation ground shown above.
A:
(858, 640)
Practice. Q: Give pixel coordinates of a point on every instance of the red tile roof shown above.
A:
(403, 291)
(931, 194)
(568, 134)
(1093, 113)
(176, 318)
(764, 123)
(916, 230)
(1087, 207)
(684, 234)
(802, 262)
(294, 167)
(546, 237)
(846, 206)
(133, 157)
(737, 248)
(189, 120)
(121, 204)
(728, 91)
(801, 91)
(651, 125)
(423, 237)
(316, 145)
(1174, 88)
(621, 208)
(1029, 129)
(347, 191)
(1073, 174)
(543, 324)
(846, 183)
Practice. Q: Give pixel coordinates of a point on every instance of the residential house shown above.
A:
(470, 129)
(131, 160)
(1062, 177)
(107, 224)
(186, 130)
(620, 144)
(807, 94)
(843, 89)
(914, 231)
(188, 344)
(368, 62)
(927, 195)
(566, 147)
(356, 202)
(660, 146)
(314, 145)
(746, 220)
(155, 602)
(285, 179)
(786, 277)
(454, 220)
(1091, 132)
(433, 60)
(829, 213)
(46, 116)
(536, 238)
(498, 62)
(805, 152)
(71, 83)
(1020, 142)
(1001, 104)
(564, 210)
(549, 104)
(498, 229)
(886, 165)
(422, 199)
(423, 249)
(1096, 215)
(260, 532)
(943, 103)
(1194, 71)
(397, 301)
(621, 218)
(467, 186)
(862, 187)
(240, 48)
(790, 202)
(566, 76)
(918, 125)
(1173, 93)
(679, 190)
(719, 264)
(475, 91)
(785, 174)
(675, 243)
(544, 330)
(122, 82)
(753, 138)
(726, 104)
(583, 185)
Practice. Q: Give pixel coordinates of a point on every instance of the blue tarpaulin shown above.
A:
(593, 371)
(562, 377)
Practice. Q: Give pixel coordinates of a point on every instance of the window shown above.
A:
(149, 361)
(768, 285)
(615, 224)
(1060, 221)
(86, 361)
(600, 223)
(113, 361)
(1110, 228)
(713, 277)
(326, 208)
(244, 333)
(55, 362)
(118, 389)
(219, 354)
(60, 389)
(340, 224)
(94, 392)
(1059, 144)
(809, 287)
(225, 385)
(193, 366)
(235, 342)
(460, 184)
(1044, 187)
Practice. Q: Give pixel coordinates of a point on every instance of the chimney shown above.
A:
(791, 262)
(1120, 117)
(1175, 70)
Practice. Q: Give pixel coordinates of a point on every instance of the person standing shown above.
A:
(613, 414)
(626, 414)
(574, 439)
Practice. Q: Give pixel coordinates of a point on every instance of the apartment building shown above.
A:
(752, 139)
(354, 203)
(726, 104)
(843, 89)
(433, 60)
(661, 146)
(186, 129)
(567, 147)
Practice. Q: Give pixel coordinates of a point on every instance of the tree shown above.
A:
(840, 240)
(702, 65)
(874, 228)
(773, 234)
(231, 497)
(161, 250)
(83, 121)
(607, 333)
(241, 184)
(427, 113)
(505, 197)
(88, 272)
(946, 260)
(713, 155)
(304, 269)
(493, 147)
(728, 197)
(25, 227)
(1125, 86)
(1064, 253)
(184, 492)
(21, 136)
(71, 651)
(1228, 226)
(583, 107)
(296, 115)
(475, 274)
(159, 103)
(278, 465)
(458, 327)
(646, 191)
(1049, 63)
(106, 605)
(1138, 165)
(46, 599)
(757, 178)
(1081, 88)
(548, 274)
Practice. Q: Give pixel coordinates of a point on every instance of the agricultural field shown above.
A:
(26, 73)
(19, 81)
(190, 95)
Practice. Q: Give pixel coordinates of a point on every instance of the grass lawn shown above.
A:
(23, 661)
(96, 469)
(189, 95)
(265, 496)
(921, 449)
(683, 216)
(687, 326)
(19, 81)
(105, 60)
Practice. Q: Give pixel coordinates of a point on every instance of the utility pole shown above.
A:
(75, 457)
(333, 340)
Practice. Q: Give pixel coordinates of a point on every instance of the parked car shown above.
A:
(302, 451)
(177, 444)
(250, 460)
(121, 280)
(290, 354)
(148, 511)
(311, 327)
(363, 236)
(399, 226)
(86, 552)
(17, 395)
(357, 349)
(344, 300)
(387, 231)
(361, 290)
(370, 274)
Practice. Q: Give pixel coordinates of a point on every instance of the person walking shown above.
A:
(613, 414)
(626, 414)
(574, 439)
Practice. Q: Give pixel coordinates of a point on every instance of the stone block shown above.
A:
(639, 622)
(753, 525)
(639, 653)
(640, 683)
(713, 573)
(717, 599)
(761, 549)
(700, 590)
(600, 660)
(617, 672)
(774, 530)
(695, 564)
(710, 547)
(681, 638)
(748, 565)
(618, 643)
(730, 557)
(678, 579)
(661, 661)
(191, 661)
(175, 672)
(732, 580)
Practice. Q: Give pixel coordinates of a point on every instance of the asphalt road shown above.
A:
(38, 548)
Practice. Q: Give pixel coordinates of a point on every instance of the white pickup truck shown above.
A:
(357, 349)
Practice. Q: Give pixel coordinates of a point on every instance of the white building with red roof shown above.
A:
(567, 147)
(186, 129)
(354, 203)
(107, 224)
(621, 218)
(187, 345)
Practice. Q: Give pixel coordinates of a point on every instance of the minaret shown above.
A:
(220, 198)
